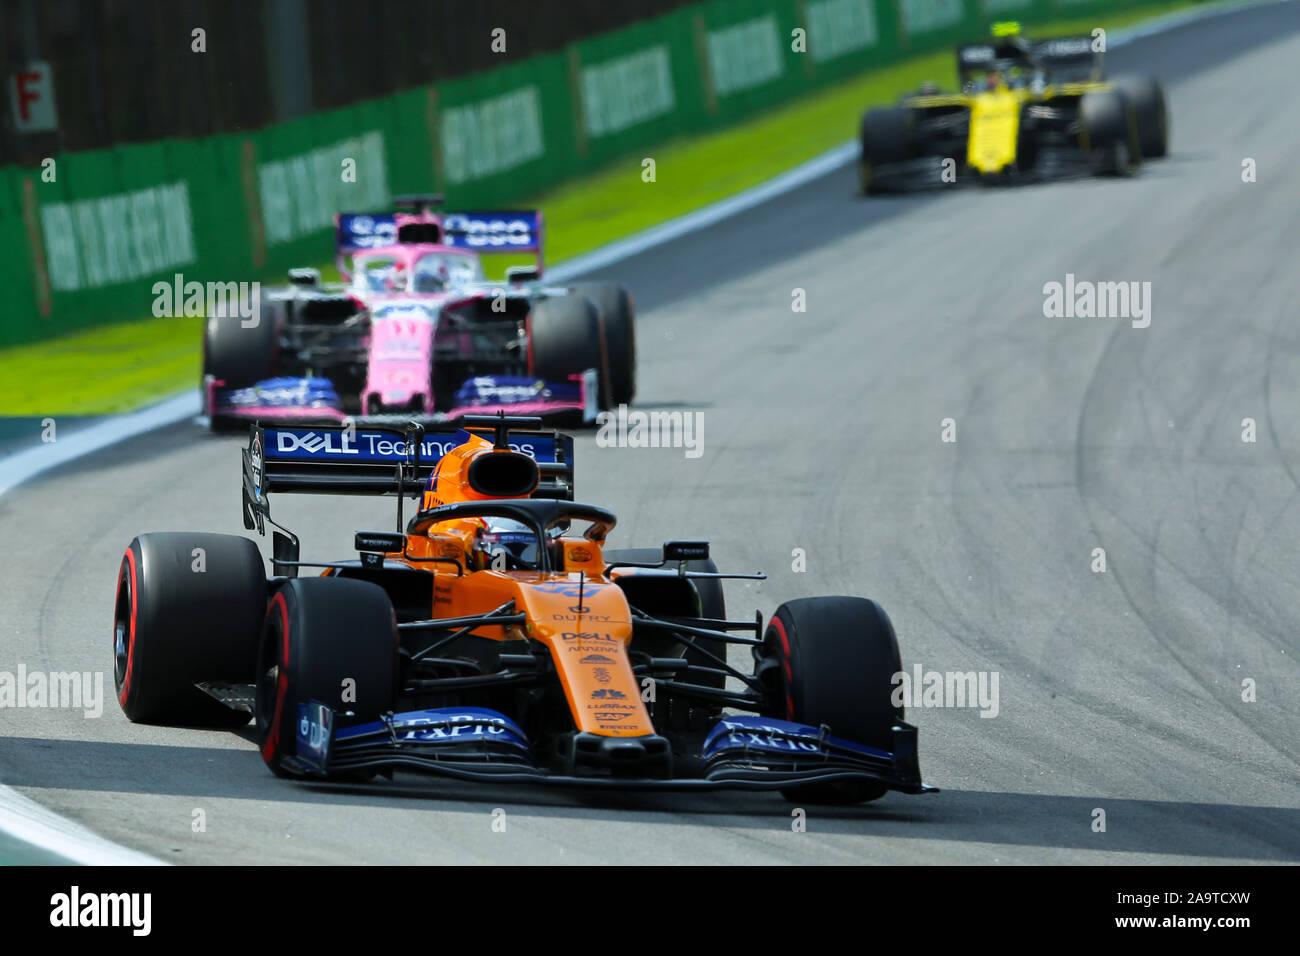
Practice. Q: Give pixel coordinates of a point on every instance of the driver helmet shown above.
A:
(432, 277)
(395, 277)
(505, 541)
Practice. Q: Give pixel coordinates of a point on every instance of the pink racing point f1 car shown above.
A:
(418, 332)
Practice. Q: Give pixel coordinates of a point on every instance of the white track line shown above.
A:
(25, 465)
(29, 821)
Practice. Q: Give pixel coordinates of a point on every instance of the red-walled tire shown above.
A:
(837, 659)
(189, 609)
(319, 633)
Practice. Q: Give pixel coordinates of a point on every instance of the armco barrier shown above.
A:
(83, 242)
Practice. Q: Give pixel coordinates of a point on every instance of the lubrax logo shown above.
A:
(77, 909)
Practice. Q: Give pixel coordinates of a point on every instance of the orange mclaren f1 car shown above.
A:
(495, 637)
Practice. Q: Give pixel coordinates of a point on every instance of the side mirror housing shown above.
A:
(686, 551)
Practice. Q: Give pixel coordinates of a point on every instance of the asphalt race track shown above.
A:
(1119, 690)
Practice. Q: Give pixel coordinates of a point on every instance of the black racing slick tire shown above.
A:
(566, 336)
(241, 356)
(832, 662)
(885, 138)
(1111, 133)
(1150, 113)
(619, 316)
(189, 609)
(329, 640)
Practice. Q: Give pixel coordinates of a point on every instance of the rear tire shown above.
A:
(1111, 129)
(619, 316)
(832, 661)
(320, 632)
(1147, 98)
(189, 610)
(886, 139)
(566, 337)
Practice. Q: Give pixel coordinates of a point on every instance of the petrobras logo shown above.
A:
(311, 443)
(490, 231)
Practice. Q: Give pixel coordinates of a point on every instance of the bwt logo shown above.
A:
(332, 443)
(366, 231)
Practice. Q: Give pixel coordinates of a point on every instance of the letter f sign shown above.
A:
(27, 93)
(32, 97)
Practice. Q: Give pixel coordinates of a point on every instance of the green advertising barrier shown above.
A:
(85, 242)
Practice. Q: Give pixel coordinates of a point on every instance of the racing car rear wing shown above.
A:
(1073, 58)
(485, 232)
(1069, 58)
(376, 460)
(499, 231)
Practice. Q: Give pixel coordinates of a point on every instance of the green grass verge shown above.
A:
(121, 367)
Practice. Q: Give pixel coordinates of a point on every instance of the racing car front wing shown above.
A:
(741, 752)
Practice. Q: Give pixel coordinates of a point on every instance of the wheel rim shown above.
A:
(268, 683)
(122, 631)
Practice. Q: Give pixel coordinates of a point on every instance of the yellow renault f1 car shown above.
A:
(495, 637)
(1026, 110)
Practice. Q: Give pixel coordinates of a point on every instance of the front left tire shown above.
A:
(188, 610)
(329, 640)
(832, 661)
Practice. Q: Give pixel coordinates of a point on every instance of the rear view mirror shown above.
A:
(686, 551)
(380, 542)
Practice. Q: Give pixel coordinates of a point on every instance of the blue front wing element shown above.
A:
(473, 743)
(283, 393)
(514, 390)
(765, 735)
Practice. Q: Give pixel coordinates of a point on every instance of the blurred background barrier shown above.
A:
(217, 138)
